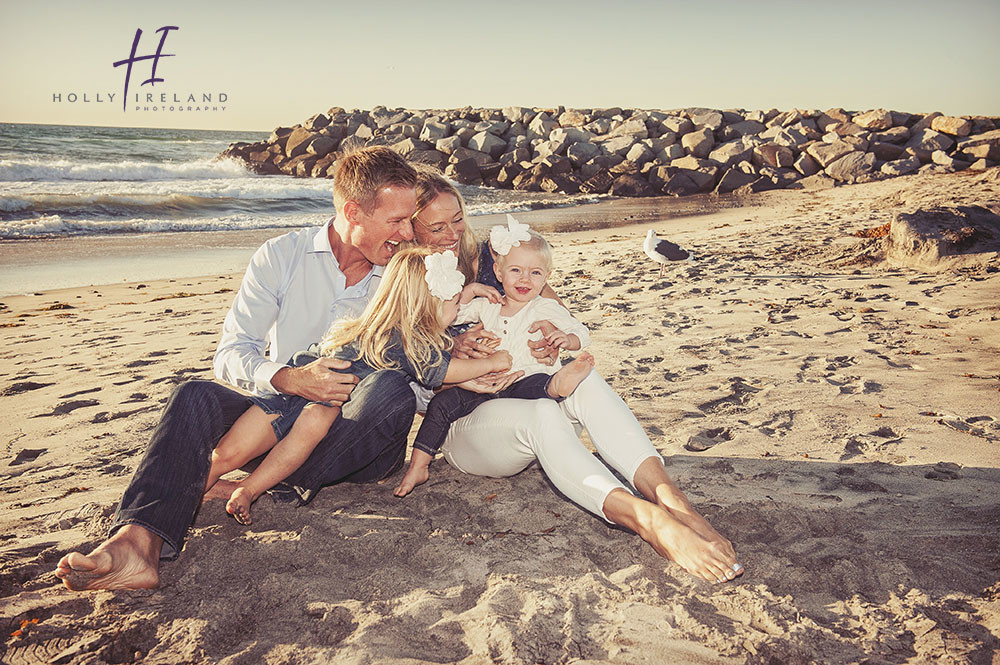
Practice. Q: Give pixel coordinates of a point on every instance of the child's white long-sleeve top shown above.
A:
(513, 330)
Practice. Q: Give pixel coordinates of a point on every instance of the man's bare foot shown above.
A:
(127, 560)
(239, 505)
(565, 381)
(222, 489)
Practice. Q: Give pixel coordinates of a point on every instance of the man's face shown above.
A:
(379, 231)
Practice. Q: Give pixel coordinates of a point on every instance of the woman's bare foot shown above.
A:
(239, 505)
(127, 560)
(672, 538)
(222, 489)
(565, 381)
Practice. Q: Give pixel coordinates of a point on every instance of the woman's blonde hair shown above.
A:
(402, 311)
(431, 184)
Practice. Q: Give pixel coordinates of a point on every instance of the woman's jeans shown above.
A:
(365, 444)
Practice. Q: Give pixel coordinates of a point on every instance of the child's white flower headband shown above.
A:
(503, 239)
(443, 277)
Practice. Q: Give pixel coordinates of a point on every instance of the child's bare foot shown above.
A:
(222, 489)
(239, 505)
(565, 381)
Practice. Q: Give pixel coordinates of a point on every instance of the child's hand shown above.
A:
(502, 361)
(477, 290)
(557, 339)
(417, 474)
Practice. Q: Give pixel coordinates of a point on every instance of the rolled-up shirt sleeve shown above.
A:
(240, 358)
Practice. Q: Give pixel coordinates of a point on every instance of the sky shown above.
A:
(279, 63)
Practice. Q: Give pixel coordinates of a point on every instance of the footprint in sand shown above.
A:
(68, 407)
(944, 471)
(22, 387)
(28, 455)
(981, 426)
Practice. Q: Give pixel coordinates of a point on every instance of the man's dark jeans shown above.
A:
(365, 444)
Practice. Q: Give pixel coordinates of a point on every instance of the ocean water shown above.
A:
(58, 181)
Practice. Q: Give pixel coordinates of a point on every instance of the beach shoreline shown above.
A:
(834, 415)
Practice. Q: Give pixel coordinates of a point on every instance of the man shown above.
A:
(295, 287)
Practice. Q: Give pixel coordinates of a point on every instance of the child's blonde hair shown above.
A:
(403, 306)
(536, 243)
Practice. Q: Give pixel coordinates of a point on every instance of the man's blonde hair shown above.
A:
(431, 184)
(402, 311)
(538, 244)
(359, 175)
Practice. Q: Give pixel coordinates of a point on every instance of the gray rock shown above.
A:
(407, 146)
(465, 171)
(515, 156)
(806, 165)
(785, 119)
(321, 146)
(851, 167)
(886, 152)
(448, 145)
(618, 145)
(517, 114)
(297, 142)
(599, 183)
(924, 123)
(316, 122)
(572, 118)
(279, 135)
(410, 130)
(541, 126)
(693, 163)
(894, 135)
(927, 141)
(556, 165)
(980, 165)
(740, 129)
(552, 147)
(901, 166)
(670, 153)
(599, 126)
(632, 186)
(731, 153)
(570, 135)
(432, 131)
(733, 179)
(933, 238)
(706, 118)
(495, 127)
(818, 181)
(488, 143)
(876, 120)
(634, 128)
(679, 184)
(677, 125)
(773, 155)
(432, 157)
(982, 146)
(463, 154)
(639, 154)
(567, 184)
(859, 143)
(942, 158)
(384, 117)
(827, 153)
(363, 132)
(464, 134)
(700, 142)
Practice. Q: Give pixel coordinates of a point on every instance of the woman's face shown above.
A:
(440, 225)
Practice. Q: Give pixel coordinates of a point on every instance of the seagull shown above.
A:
(663, 251)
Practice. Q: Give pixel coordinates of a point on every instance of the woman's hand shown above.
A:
(475, 343)
(491, 383)
(543, 351)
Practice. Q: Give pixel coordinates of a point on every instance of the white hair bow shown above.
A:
(443, 277)
(503, 239)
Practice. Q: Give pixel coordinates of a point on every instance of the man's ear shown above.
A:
(351, 210)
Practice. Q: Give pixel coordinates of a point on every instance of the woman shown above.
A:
(502, 437)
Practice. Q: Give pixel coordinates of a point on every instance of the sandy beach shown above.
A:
(830, 402)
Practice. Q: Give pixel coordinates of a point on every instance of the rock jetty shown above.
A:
(631, 152)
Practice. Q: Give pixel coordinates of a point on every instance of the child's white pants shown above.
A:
(503, 436)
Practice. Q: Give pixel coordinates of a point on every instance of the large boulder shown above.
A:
(901, 166)
(632, 186)
(942, 158)
(570, 135)
(321, 146)
(297, 142)
(771, 154)
(927, 141)
(618, 145)
(924, 123)
(806, 165)
(448, 145)
(677, 125)
(876, 120)
(465, 171)
(582, 152)
(408, 146)
(700, 142)
(488, 143)
(982, 146)
(852, 167)
(740, 129)
(732, 152)
(433, 131)
(572, 118)
(951, 125)
(828, 153)
(886, 152)
(706, 118)
(733, 179)
(639, 154)
(893, 135)
(462, 154)
(316, 122)
(678, 183)
(599, 126)
(634, 128)
(541, 126)
(943, 238)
